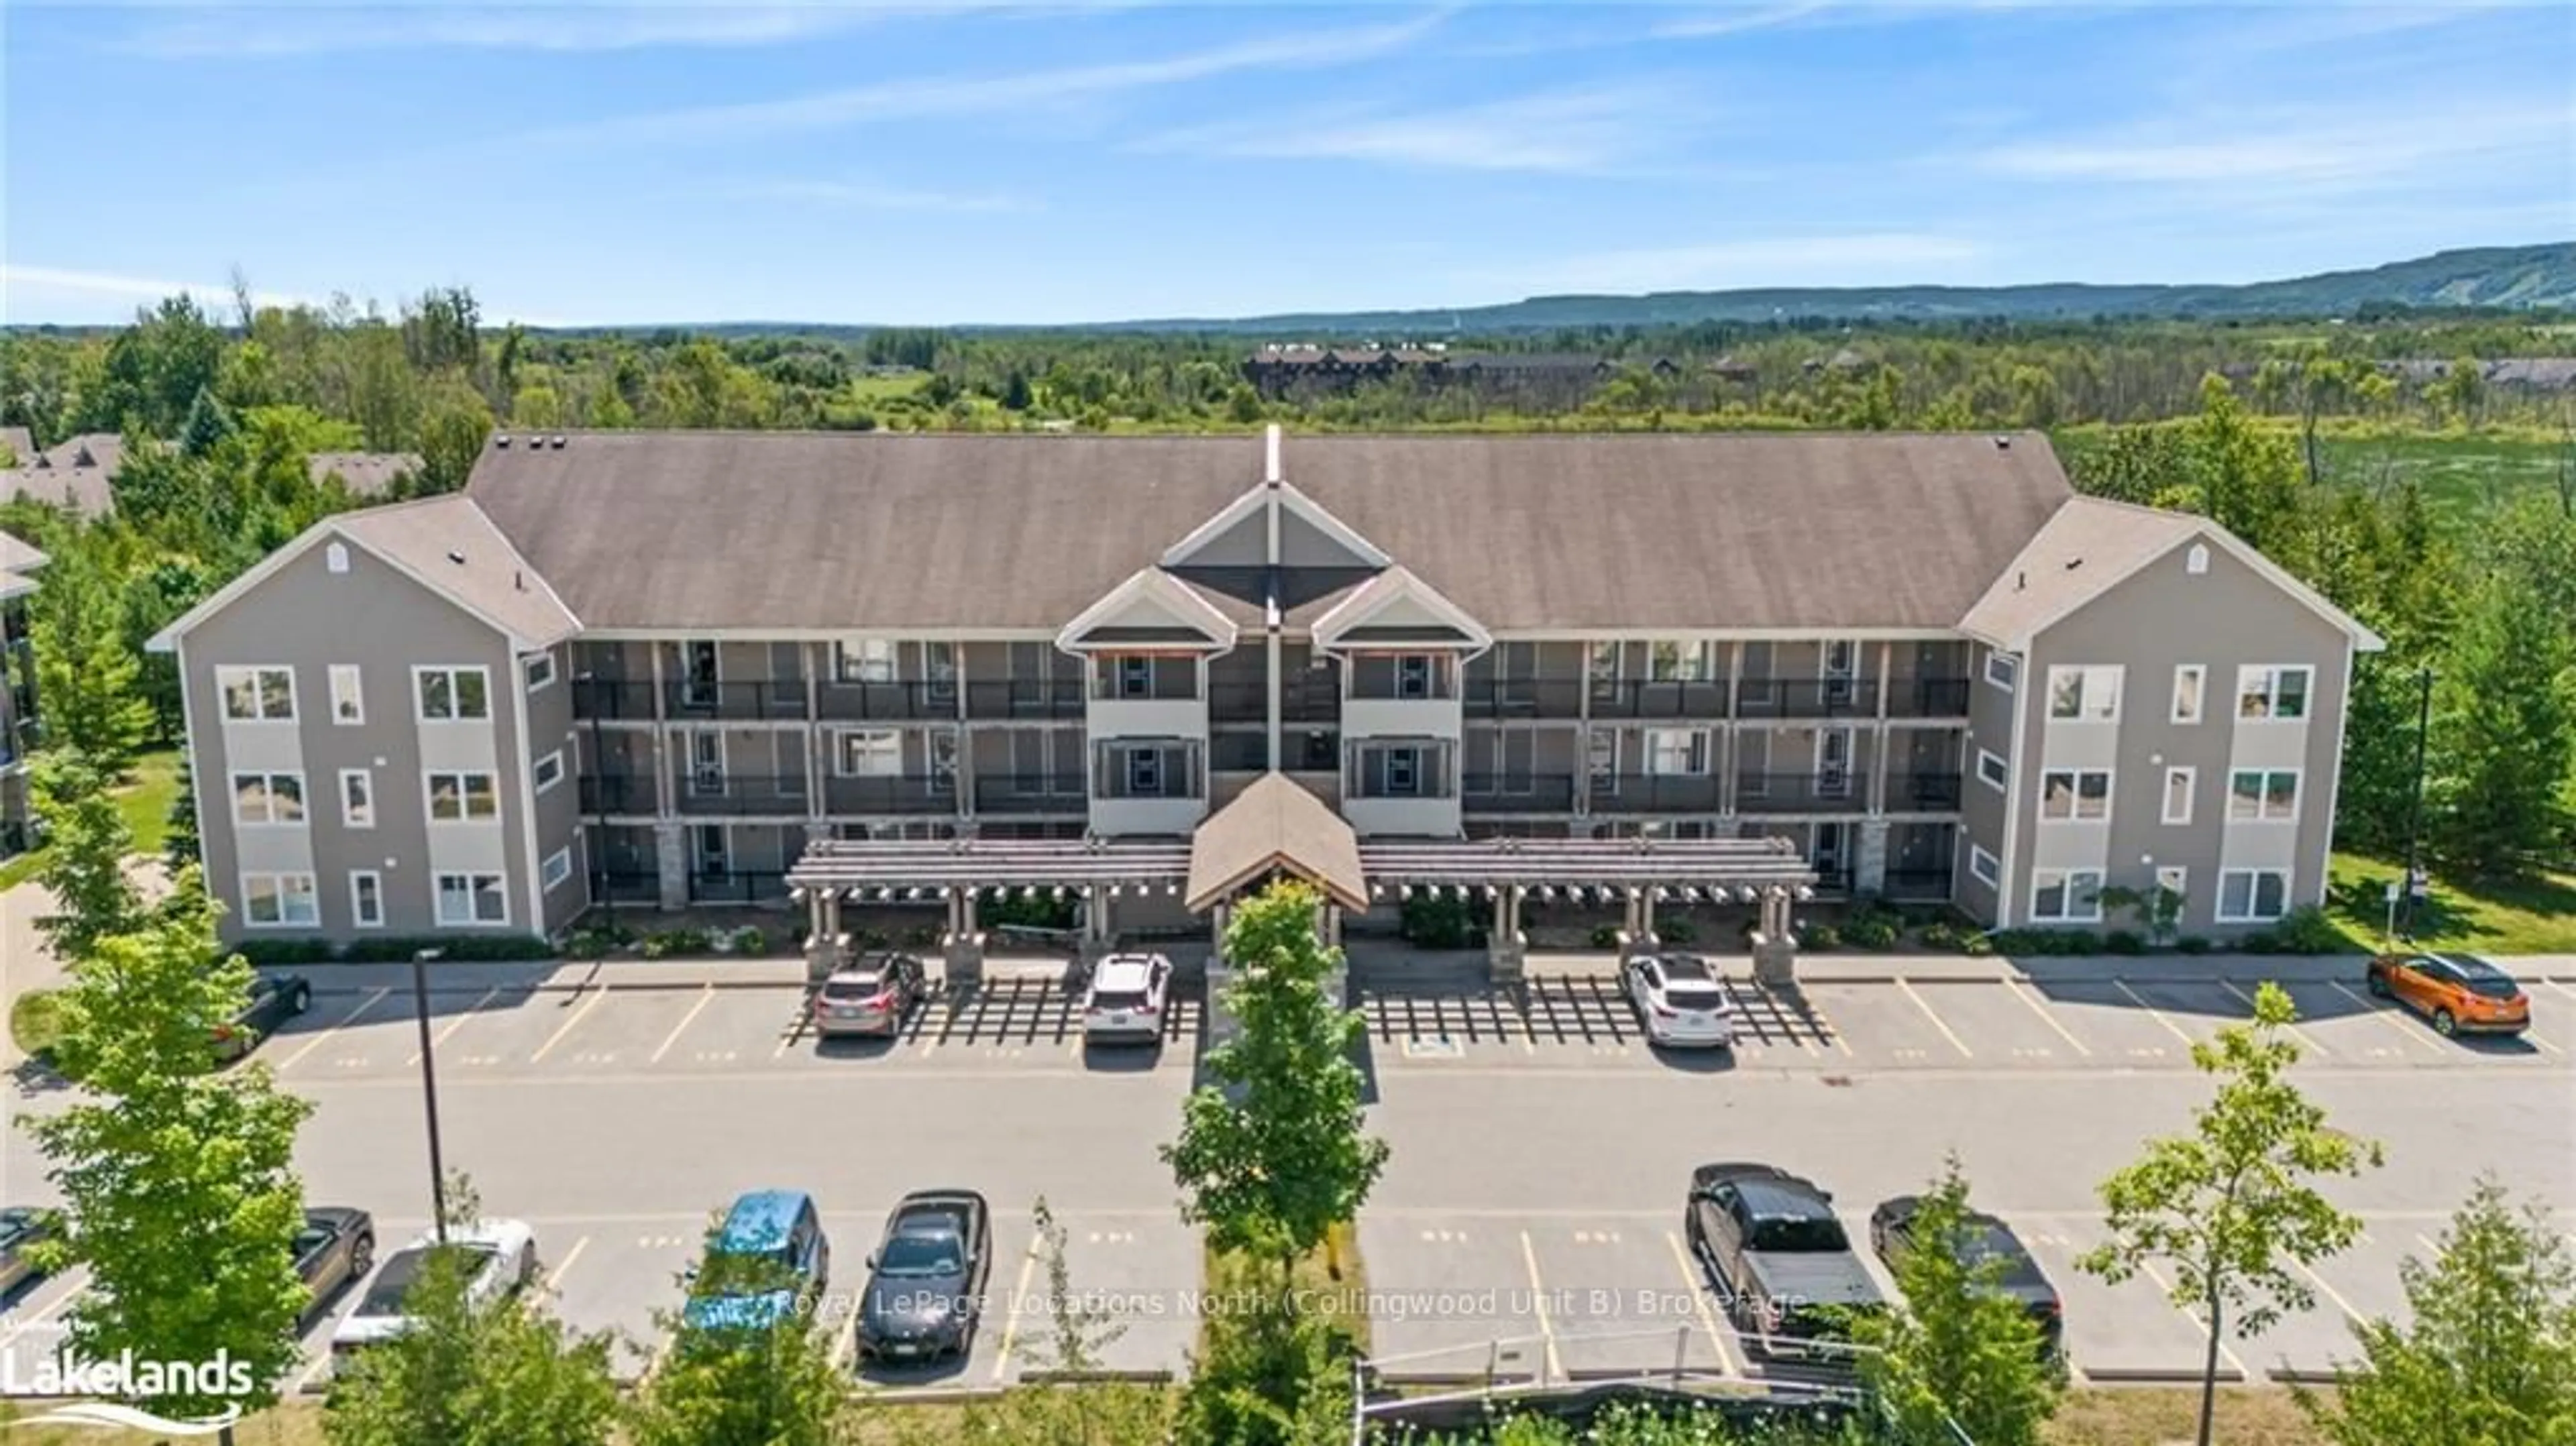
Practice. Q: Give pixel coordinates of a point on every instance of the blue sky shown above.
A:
(634, 162)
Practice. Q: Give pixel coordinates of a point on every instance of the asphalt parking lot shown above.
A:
(1530, 1221)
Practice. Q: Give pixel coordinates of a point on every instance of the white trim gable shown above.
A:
(1150, 598)
(1398, 597)
(1364, 553)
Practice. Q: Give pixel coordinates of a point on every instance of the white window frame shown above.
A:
(1833, 777)
(464, 796)
(1413, 668)
(538, 669)
(2088, 679)
(2263, 778)
(279, 886)
(2198, 673)
(1414, 764)
(557, 869)
(867, 743)
(268, 780)
(2063, 880)
(474, 881)
(2003, 670)
(1134, 677)
(1993, 771)
(539, 771)
(256, 675)
(2269, 675)
(1150, 761)
(2165, 809)
(2253, 893)
(1687, 661)
(864, 660)
(420, 677)
(358, 807)
(1695, 744)
(1984, 867)
(374, 888)
(2075, 795)
(348, 696)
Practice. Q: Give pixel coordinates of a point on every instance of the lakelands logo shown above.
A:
(126, 1377)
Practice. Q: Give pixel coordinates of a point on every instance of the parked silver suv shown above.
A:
(1126, 999)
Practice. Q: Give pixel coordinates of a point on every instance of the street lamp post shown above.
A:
(420, 960)
(2415, 819)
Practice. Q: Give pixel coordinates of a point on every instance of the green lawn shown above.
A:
(2465, 475)
(2534, 917)
(145, 802)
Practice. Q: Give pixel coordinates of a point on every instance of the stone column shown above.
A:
(1098, 938)
(1506, 952)
(964, 942)
(1775, 948)
(671, 861)
(1869, 864)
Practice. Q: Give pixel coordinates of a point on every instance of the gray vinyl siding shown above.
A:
(551, 729)
(1981, 808)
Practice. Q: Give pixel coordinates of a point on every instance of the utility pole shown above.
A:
(2415, 820)
(429, 1086)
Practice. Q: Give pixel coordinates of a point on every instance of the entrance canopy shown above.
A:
(1275, 824)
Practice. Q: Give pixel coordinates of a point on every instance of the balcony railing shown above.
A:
(1655, 792)
(736, 888)
(1928, 698)
(738, 794)
(1239, 752)
(753, 698)
(890, 793)
(1801, 793)
(1922, 792)
(631, 793)
(885, 702)
(609, 699)
(1806, 698)
(1522, 697)
(630, 886)
(1648, 698)
(1516, 793)
(1030, 793)
(1238, 702)
(1917, 883)
(1023, 698)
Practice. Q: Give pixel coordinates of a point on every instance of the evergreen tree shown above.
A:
(84, 861)
(180, 846)
(2505, 731)
(85, 676)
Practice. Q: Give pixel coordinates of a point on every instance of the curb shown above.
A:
(2158, 1376)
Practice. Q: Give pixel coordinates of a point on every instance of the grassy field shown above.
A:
(145, 803)
(2465, 475)
(2535, 917)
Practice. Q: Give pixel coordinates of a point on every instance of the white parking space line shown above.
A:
(2225, 1353)
(705, 997)
(2020, 992)
(2386, 1016)
(845, 1337)
(2334, 1295)
(1938, 1022)
(453, 1025)
(2306, 1041)
(1538, 1304)
(319, 1035)
(2153, 1013)
(579, 1013)
(1011, 1322)
(1699, 1301)
(563, 1267)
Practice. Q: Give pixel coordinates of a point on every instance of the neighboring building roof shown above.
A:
(74, 473)
(1275, 823)
(18, 563)
(21, 444)
(365, 474)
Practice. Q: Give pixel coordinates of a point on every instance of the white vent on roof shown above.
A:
(501, 440)
(559, 441)
(336, 557)
(2196, 561)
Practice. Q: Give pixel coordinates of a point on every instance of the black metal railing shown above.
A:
(736, 887)
(1030, 793)
(1646, 698)
(1024, 698)
(1800, 793)
(1656, 793)
(631, 886)
(740, 793)
(1522, 697)
(1163, 685)
(1238, 702)
(618, 793)
(1918, 883)
(1928, 698)
(1238, 752)
(885, 702)
(1834, 880)
(609, 699)
(890, 793)
(1516, 793)
(1806, 698)
(1922, 790)
(1312, 698)
(736, 698)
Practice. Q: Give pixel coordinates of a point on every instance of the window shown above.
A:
(2268, 794)
(280, 901)
(1601, 760)
(335, 558)
(2196, 561)
(701, 673)
(2089, 694)
(2066, 895)
(268, 798)
(1135, 677)
(472, 899)
(1993, 771)
(549, 770)
(1145, 772)
(1403, 771)
(1673, 661)
(257, 695)
(1839, 662)
(2179, 783)
(2081, 793)
(558, 867)
(864, 660)
(540, 670)
(357, 798)
(2190, 679)
(1984, 867)
(348, 701)
(366, 898)
(871, 753)
(457, 797)
(1833, 762)
(1676, 751)
(706, 762)
(2247, 895)
(1413, 675)
(450, 694)
(2003, 670)
(2272, 692)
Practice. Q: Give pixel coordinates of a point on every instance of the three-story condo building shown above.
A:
(657, 665)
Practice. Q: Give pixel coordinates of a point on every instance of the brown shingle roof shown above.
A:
(449, 543)
(18, 565)
(365, 474)
(2089, 545)
(1275, 823)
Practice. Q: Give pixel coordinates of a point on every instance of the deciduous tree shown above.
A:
(2504, 730)
(84, 868)
(85, 675)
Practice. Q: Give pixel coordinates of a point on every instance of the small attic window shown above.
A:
(336, 557)
(2196, 561)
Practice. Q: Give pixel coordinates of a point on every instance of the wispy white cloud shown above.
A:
(1728, 20)
(933, 97)
(298, 30)
(2275, 148)
(871, 196)
(1586, 131)
(1851, 259)
(21, 284)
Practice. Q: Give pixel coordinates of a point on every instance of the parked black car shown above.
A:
(335, 1249)
(925, 1288)
(1780, 1261)
(1891, 1234)
(274, 999)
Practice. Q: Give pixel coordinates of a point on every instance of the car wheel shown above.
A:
(303, 998)
(2444, 1024)
(362, 1255)
(2379, 986)
(527, 1264)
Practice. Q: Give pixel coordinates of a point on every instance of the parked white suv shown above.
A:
(1679, 1001)
(1126, 999)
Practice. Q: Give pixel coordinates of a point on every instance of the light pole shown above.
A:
(2415, 819)
(429, 1086)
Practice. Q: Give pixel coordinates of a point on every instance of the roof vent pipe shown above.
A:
(1270, 458)
(501, 440)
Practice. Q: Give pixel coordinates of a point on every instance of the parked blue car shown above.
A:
(781, 1227)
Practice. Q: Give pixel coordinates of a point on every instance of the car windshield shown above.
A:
(2485, 979)
(1687, 994)
(1799, 1235)
(850, 986)
(1686, 969)
(921, 1255)
(310, 1240)
(1118, 999)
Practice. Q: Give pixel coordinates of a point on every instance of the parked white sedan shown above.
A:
(502, 1254)
(1679, 1001)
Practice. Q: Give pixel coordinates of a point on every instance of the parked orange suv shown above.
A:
(2458, 992)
